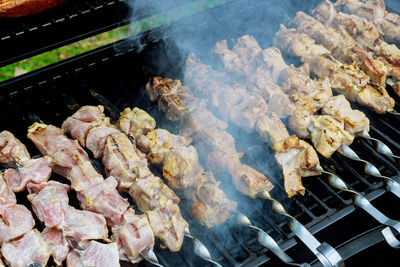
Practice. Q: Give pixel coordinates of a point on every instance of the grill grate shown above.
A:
(52, 93)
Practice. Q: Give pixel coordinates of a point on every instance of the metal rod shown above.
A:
(369, 168)
(360, 201)
(392, 111)
(326, 254)
(266, 240)
(199, 249)
(380, 146)
(150, 257)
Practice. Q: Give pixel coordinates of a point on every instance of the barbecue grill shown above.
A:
(115, 76)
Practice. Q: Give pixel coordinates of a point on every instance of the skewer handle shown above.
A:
(370, 169)
(325, 253)
(267, 241)
(200, 250)
(362, 202)
(380, 147)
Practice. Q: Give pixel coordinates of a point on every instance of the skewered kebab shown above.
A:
(173, 99)
(366, 35)
(124, 161)
(131, 232)
(334, 181)
(374, 10)
(181, 166)
(346, 49)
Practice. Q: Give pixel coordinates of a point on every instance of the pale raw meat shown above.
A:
(103, 198)
(95, 255)
(97, 138)
(15, 222)
(57, 243)
(133, 236)
(7, 196)
(12, 151)
(29, 249)
(33, 170)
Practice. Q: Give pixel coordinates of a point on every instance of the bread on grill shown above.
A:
(19, 8)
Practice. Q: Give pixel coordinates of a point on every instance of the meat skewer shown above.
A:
(273, 68)
(123, 160)
(131, 232)
(378, 66)
(174, 100)
(374, 10)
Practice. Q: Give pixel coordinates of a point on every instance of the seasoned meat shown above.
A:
(133, 236)
(57, 243)
(29, 249)
(96, 254)
(136, 121)
(151, 193)
(14, 8)
(272, 129)
(369, 9)
(12, 151)
(389, 27)
(354, 120)
(168, 225)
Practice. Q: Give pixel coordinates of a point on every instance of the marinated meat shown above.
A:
(133, 236)
(95, 254)
(31, 248)
(135, 121)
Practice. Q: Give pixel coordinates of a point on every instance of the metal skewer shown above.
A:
(199, 249)
(380, 146)
(392, 111)
(151, 257)
(360, 201)
(327, 255)
(370, 169)
(267, 241)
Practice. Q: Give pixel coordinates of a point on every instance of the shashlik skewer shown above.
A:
(175, 101)
(366, 35)
(131, 232)
(277, 65)
(128, 165)
(374, 10)
(181, 166)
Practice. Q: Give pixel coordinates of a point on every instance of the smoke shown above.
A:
(176, 28)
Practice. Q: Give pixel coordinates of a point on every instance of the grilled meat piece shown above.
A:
(135, 121)
(389, 27)
(168, 225)
(12, 151)
(123, 161)
(354, 120)
(57, 243)
(369, 9)
(133, 236)
(272, 129)
(328, 134)
(91, 116)
(95, 254)
(151, 193)
(29, 249)
(50, 204)
(33, 170)
(172, 98)
(97, 138)
(15, 221)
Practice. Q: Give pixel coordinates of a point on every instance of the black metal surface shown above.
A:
(51, 94)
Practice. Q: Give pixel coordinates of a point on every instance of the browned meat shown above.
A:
(151, 193)
(328, 134)
(173, 98)
(168, 225)
(369, 9)
(123, 161)
(354, 120)
(133, 236)
(135, 121)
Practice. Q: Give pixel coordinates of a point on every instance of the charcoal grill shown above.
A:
(115, 76)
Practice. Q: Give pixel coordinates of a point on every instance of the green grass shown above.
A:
(61, 53)
(102, 39)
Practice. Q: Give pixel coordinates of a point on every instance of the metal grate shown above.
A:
(51, 94)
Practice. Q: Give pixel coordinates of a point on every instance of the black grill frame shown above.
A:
(57, 86)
